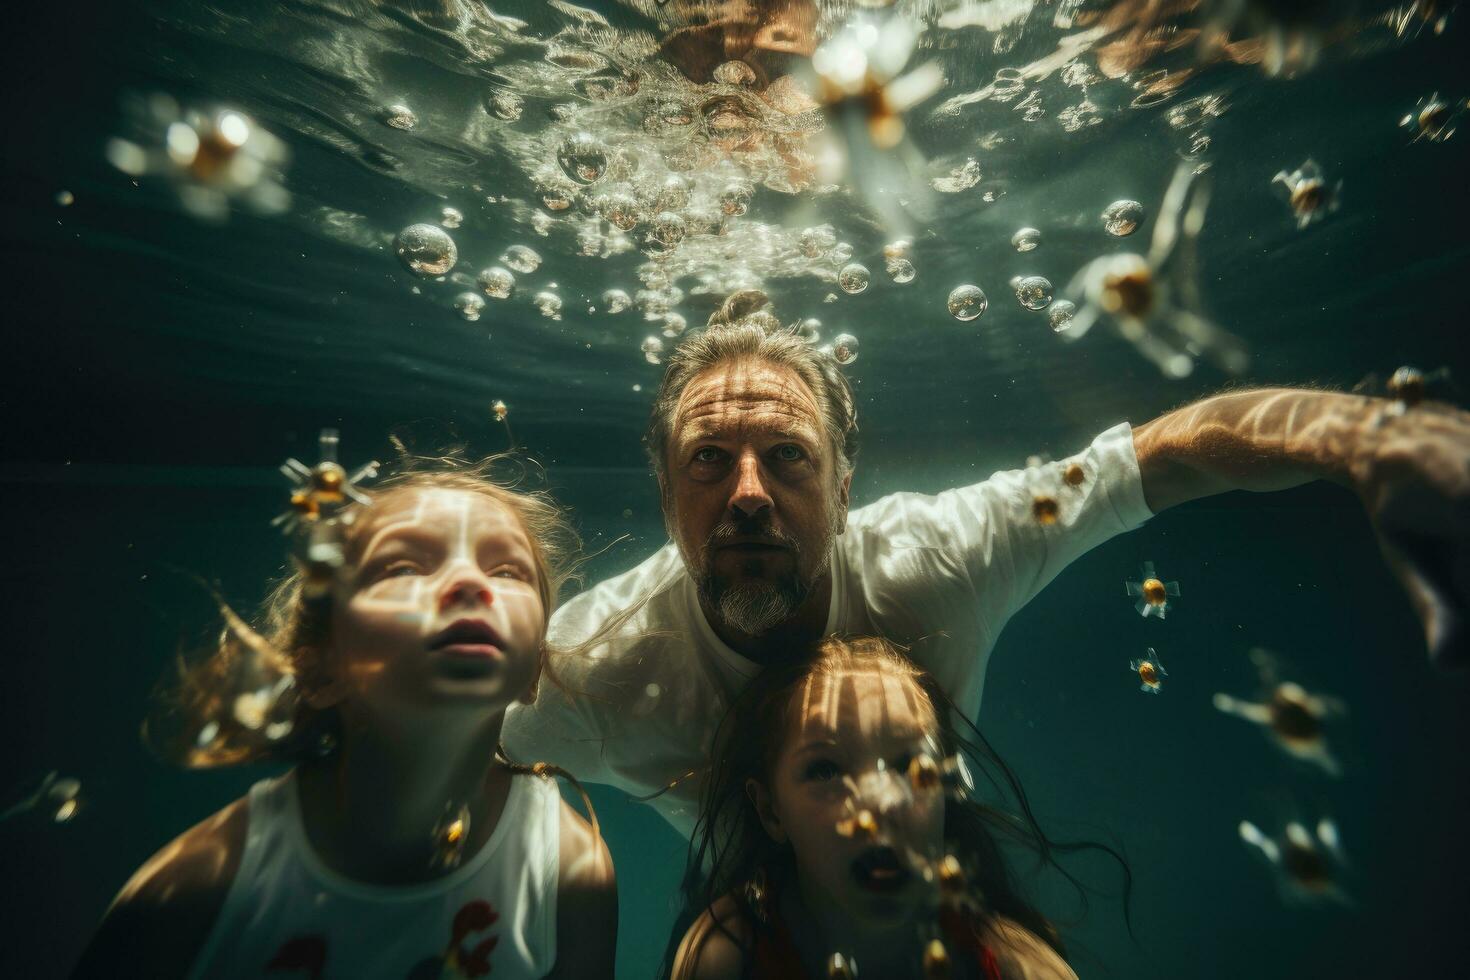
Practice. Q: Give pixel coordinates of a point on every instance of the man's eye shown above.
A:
(820, 771)
(709, 454)
(789, 453)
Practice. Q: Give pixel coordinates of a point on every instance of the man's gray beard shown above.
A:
(753, 608)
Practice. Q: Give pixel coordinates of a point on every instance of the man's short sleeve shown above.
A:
(993, 534)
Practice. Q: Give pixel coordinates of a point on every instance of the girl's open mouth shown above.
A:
(879, 869)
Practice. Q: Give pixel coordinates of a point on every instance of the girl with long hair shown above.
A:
(840, 829)
(402, 843)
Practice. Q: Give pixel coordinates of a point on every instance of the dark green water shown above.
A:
(160, 368)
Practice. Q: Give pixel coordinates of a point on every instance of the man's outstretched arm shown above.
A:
(1410, 468)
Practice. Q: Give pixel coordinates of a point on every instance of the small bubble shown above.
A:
(1034, 292)
(840, 253)
(1122, 218)
(637, 387)
(521, 259)
(496, 282)
(735, 198)
(425, 250)
(653, 349)
(814, 242)
(734, 73)
(672, 193)
(665, 232)
(853, 279)
(844, 348)
(810, 329)
(1060, 314)
(399, 116)
(450, 217)
(469, 305)
(674, 324)
(505, 105)
(652, 690)
(499, 409)
(901, 270)
(897, 249)
(549, 304)
(65, 198)
(583, 158)
(967, 302)
(616, 300)
(1026, 239)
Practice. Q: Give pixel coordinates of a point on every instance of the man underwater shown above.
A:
(753, 442)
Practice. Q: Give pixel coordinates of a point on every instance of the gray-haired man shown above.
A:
(753, 443)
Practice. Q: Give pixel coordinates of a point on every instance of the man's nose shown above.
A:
(465, 587)
(749, 497)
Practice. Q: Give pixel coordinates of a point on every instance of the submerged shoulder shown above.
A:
(586, 863)
(586, 902)
(715, 947)
(162, 916)
(1023, 955)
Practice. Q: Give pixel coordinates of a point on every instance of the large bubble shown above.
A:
(1122, 217)
(1060, 315)
(1026, 239)
(496, 282)
(426, 250)
(967, 302)
(844, 348)
(521, 259)
(853, 278)
(583, 158)
(1033, 292)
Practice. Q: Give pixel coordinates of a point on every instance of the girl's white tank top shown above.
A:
(289, 917)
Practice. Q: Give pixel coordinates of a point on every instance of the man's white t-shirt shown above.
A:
(941, 574)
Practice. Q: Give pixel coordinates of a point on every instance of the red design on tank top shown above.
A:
(476, 916)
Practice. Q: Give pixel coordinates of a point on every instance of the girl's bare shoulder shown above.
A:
(715, 947)
(162, 916)
(1023, 955)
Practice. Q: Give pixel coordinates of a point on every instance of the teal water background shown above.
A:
(161, 368)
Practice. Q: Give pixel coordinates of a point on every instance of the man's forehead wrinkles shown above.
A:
(747, 387)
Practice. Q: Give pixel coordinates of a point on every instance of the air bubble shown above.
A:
(399, 116)
(1034, 292)
(901, 271)
(496, 282)
(616, 301)
(653, 349)
(1060, 315)
(583, 158)
(521, 259)
(505, 105)
(967, 302)
(1122, 218)
(844, 348)
(853, 279)
(1026, 240)
(426, 250)
(735, 73)
(549, 304)
(450, 217)
(469, 305)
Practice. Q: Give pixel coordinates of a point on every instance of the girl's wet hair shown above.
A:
(729, 844)
(290, 634)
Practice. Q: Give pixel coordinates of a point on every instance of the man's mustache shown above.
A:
(760, 529)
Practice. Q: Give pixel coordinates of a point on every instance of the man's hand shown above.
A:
(1412, 471)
